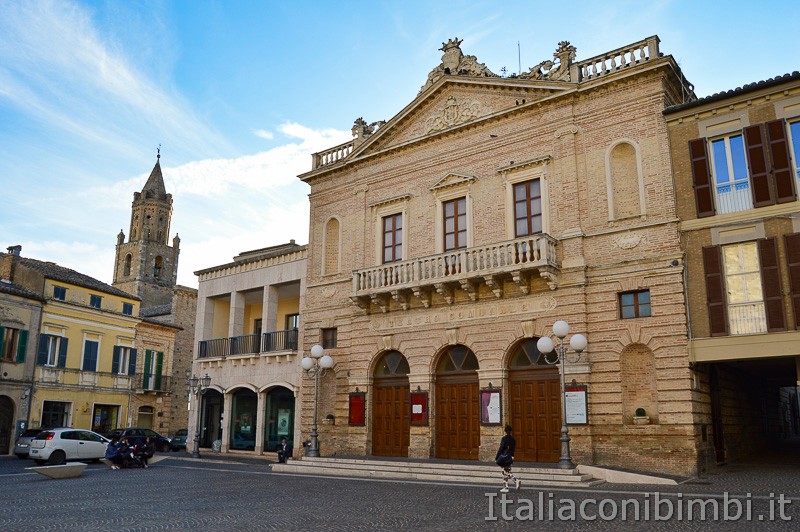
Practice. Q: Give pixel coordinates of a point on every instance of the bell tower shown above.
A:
(146, 265)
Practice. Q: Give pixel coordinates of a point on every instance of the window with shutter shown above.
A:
(745, 292)
(22, 346)
(158, 369)
(715, 291)
(793, 263)
(782, 172)
(760, 181)
(701, 177)
(90, 348)
(729, 168)
(9, 341)
(771, 284)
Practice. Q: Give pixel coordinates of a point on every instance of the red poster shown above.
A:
(358, 403)
(419, 408)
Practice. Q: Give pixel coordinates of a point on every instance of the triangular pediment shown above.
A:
(453, 180)
(455, 102)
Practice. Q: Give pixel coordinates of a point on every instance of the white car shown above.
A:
(56, 446)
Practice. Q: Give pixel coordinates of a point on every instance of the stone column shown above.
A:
(420, 444)
(236, 320)
(226, 421)
(269, 312)
(491, 434)
(260, 417)
(204, 324)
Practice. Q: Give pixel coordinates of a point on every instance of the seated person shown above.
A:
(284, 451)
(113, 453)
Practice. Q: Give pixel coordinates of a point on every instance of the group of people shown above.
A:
(123, 453)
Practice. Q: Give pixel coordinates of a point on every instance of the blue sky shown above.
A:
(240, 93)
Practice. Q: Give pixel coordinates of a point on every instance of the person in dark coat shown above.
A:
(113, 454)
(505, 458)
(284, 451)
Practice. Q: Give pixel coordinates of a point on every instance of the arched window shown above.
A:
(639, 386)
(392, 364)
(624, 180)
(526, 355)
(126, 270)
(157, 265)
(331, 264)
(457, 359)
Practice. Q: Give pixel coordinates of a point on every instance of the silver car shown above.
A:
(23, 443)
(56, 446)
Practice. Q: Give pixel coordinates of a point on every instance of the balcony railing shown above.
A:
(249, 344)
(152, 383)
(748, 318)
(465, 267)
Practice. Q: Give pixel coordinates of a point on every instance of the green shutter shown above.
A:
(146, 373)
(22, 347)
(159, 364)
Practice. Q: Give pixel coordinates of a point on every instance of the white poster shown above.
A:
(493, 409)
(575, 404)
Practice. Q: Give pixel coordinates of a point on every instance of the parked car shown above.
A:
(137, 436)
(23, 443)
(56, 446)
(178, 441)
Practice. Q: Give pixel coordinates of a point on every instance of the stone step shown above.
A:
(451, 473)
(449, 466)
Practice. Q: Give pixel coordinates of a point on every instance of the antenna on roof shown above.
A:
(519, 59)
(158, 151)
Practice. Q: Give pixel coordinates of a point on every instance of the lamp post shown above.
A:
(546, 346)
(317, 365)
(197, 386)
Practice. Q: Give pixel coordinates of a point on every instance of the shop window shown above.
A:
(635, 304)
(329, 338)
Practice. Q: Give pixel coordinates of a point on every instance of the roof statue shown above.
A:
(361, 130)
(552, 71)
(455, 63)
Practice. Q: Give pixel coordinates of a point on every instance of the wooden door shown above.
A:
(457, 417)
(535, 414)
(391, 418)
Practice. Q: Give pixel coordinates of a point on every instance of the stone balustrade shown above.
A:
(332, 155)
(609, 62)
(490, 264)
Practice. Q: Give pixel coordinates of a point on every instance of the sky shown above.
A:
(239, 94)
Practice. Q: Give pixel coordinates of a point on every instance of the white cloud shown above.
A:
(264, 134)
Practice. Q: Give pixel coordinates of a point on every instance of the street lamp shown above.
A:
(317, 365)
(197, 386)
(545, 345)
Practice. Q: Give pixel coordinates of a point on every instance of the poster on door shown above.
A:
(283, 421)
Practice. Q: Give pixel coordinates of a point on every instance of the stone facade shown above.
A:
(593, 140)
(742, 276)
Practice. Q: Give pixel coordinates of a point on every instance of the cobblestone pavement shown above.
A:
(224, 493)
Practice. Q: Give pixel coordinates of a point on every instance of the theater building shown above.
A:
(444, 242)
(735, 158)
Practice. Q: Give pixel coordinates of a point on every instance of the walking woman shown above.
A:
(505, 457)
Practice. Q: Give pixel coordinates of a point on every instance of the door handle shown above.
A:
(80, 443)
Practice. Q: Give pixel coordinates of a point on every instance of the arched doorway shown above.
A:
(391, 407)
(244, 405)
(457, 413)
(211, 427)
(6, 423)
(534, 404)
(145, 417)
(279, 418)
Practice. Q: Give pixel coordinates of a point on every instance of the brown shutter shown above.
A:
(701, 176)
(781, 165)
(715, 291)
(793, 261)
(771, 283)
(757, 164)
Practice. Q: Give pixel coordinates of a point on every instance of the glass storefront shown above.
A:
(104, 418)
(55, 414)
(243, 420)
(279, 419)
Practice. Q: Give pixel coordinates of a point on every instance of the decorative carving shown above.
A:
(453, 112)
(400, 297)
(455, 63)
(446, 292)
(528, 328)
(550, 277)
(495, 284)
(552, 71)
(361, 130)
(328, 292)
(452, 180)
(387, 342)
(423, 294)
(628, 241)
(452, 336)
(470, 287)
(360, 301)
(566, 130)
(381, 301)
(522, 278)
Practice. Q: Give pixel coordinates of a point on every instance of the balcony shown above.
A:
(249, 344)
(55, 376)
(464, 269)
(151, 383)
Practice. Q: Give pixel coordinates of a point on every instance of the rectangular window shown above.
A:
(292, 321)
(123, 362)
(9, 341)
(745, 296)
(90, 349)
(392, 238)
(60, 293)
(634, 304)
(794, 138)
(53, 349)
(127, 309)
(329, 338)
(731, 183)
(455, 224)
(527, 208)
(95, 301)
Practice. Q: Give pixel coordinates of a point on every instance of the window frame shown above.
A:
(123, 360)
(794, 154)
(329, 337)
(732, 182)
(127, 306)
(11, 346)
(745, 274)
(528, 218)
(394, 234)
(637, 312)
(520, 175)
(457, 244)
(53, 349)
(293, 317)
(95, 301)
(382, 209)
(62, 290)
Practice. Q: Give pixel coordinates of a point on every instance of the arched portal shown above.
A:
(279, 418)
(457, 413)
(211, 415)
(534, 404)
(391, 407)
(6, 423)
(244, 405)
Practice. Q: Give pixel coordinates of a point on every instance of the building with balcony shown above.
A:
(20, 319)
(444, 242)
(248, 340)
(735, 157)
